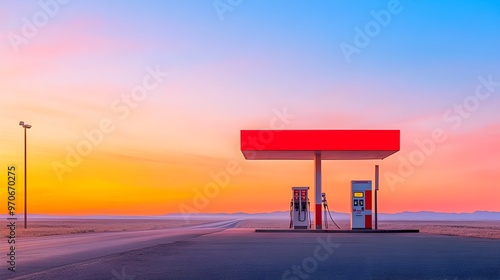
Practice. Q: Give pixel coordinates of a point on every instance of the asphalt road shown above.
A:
(40, 253)
(236, 253)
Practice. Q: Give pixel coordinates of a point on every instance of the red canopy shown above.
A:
(331, 144)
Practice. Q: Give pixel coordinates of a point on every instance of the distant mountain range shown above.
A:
(402, 216)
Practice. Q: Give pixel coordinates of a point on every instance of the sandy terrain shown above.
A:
(482, 229)
(46, 227)
(242, 253)
(233, 250)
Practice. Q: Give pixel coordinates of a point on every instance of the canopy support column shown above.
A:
(317, 189)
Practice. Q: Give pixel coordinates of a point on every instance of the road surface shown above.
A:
(219, 251)
(40, 253)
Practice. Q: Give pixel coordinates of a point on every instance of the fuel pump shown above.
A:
(361, 203)
(299, 208)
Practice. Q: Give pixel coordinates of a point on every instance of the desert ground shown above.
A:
(47, 227)
(231, 249)
(480, 229)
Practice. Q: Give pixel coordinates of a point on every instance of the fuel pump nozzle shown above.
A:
(327, 210)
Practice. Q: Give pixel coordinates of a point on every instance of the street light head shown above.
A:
(21, 123)
(27, 126)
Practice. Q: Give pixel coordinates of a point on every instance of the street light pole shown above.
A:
(25, 126)
(376, 197)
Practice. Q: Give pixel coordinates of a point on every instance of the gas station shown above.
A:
(318, 145)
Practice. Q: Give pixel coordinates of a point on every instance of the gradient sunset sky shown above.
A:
(68, 69)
